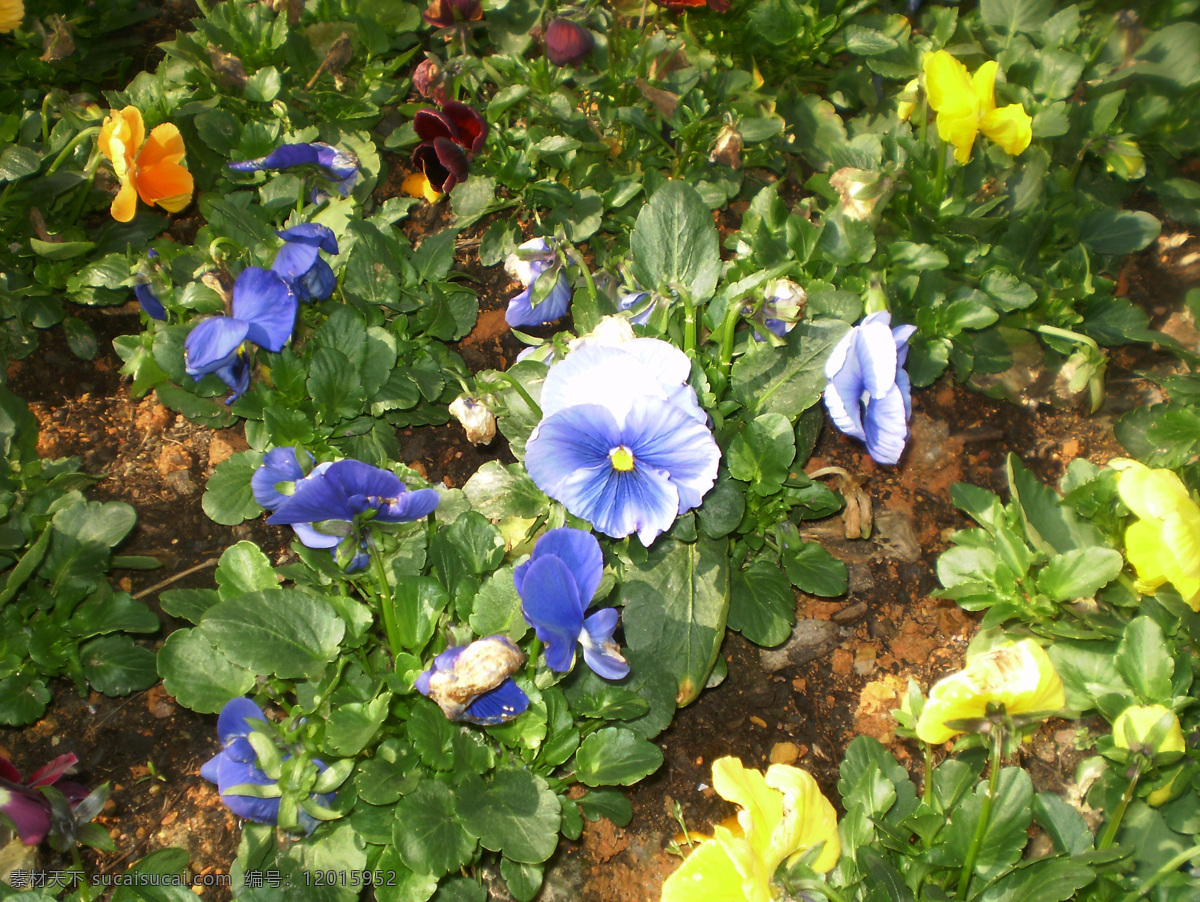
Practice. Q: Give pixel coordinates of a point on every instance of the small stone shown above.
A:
(222, 447)
(173, 459)
(758, 722)
(811, 639)
(864, 660)
(842, 662)
(785, 753)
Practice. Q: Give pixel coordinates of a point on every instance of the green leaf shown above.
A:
(615, 755)
(188, 604)
(334, 385)
(814, 570)
(524, 880)
(82, 539)
(23, 699)
(1043, 880)
(1015, 16)
(1079, 573)
(196, 673)
(513, 812)
(371, 268)
(1144, 659)
(498, 491)
(115, 666)
(786, 380)
(1050, 525)
(429, 832)
(1170, 53)
(60, 250)
(675, 241)
(607, 803)
(419, 602)
(676, 603)
(388, 774)
(17, 162)
(432, 735)
(1005, 836)
(80, 338)
(1088, 672)
(472, 200)
(408, 885)
(1063, 824)
(228, 498)
(281, 631)
(244, 568)
(497, 607)
(110, 612)
(353, 725)
(762, 604)
(1118, 231)
(263, 86)
(722, 508)
(762, 452)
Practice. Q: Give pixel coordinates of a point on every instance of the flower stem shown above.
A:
(728, 329)
(927, 794)
(985, 814)
(85, 888)
(525, 396)
(1161, 874)
(71, 145)
(939, 183)
(689, 323)
(1110, 832)
(387, 602)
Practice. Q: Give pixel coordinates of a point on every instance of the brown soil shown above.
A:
(886, 630)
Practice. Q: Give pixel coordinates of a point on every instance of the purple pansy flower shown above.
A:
(473, 683)
(450, 138)
(237, 765)
(25, 806)
(279, 467)
(536, 265)
(339, 166)
(264, 312)
(868, 394)
(623, 442)
(299, 260)
(144, 291)
(556, 585)
(336, 500)
(567, 42)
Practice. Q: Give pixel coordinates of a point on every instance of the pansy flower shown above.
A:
(556, 586)
(26, 807)
(1150, 729)
(144, 291)
(274, 480)
(447, 13)
(264, 313)
(299, 260)
(639, 305)
(146, 167)
(450, 138)
(783, 816)
(473, 682)
(1019, 677)
(567, 42)
(782, 308)
(546, 293)
(1163, 544)
(966, 105)
(623, 442)
(237, 765)
(339, 166)
(867, 393)
(12, 13)
(334, 503)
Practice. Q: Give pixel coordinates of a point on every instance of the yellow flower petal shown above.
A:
(1163, 545)
(808, 818)
(417, 185)
(1137, 722)
(124, 205)
(1010, 127)
(966, 104)
(12, 13)
(762, 807)
(706, 876)
(983, 83)
(948, 86)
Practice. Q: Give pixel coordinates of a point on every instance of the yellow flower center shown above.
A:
(622, 459)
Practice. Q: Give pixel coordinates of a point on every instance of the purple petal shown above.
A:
(279, 465)
(472, 128)
(843, 393)
(234, 720)
(553, 307)
(263, 299)
(600, 652)
(50, 773)
(231, 773)
(551, 605)
(497, 705)
(295, 259)
(629, 301)
(27, 809)
(340, 165)
(149, 301)
(213, 344)
(431, 124)
(579, 551)
(410, 506)
(282, 157)
(886, 425)
(425, 158)
(666, 439)
(567, 42)
(311, 233)
(453, 159)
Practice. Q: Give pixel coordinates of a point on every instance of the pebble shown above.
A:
(785, 753)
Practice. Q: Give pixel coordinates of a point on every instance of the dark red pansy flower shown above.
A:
(679, 6)
(444, 13)
(567, 42)
(449, 138)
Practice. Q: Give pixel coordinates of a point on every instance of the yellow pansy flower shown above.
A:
(1163, 545)
(418, 185)
(966, 105)
(148, 167)
(783, 816)
(1136, 723)
(1019, 676)
(12, 13)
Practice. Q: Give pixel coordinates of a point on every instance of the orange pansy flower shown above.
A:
(147, 167)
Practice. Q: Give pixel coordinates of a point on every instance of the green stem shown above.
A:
(525, 396)
(985, 814)
(85, 887)
(71, 145)
(689, 322)
(1110, 831)
(728, 328)
(927, 795)
(387, 602)
(1162, 874)
(45, 122)
(939, 183)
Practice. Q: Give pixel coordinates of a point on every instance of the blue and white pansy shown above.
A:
(547, 290)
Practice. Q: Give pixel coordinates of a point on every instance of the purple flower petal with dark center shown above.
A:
(471, 128)
(567, 42)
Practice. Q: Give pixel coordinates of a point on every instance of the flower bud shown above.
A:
(476, 419)
(429, 80)
(1122, 156)
(860, 190)
(567, 42)
(1151, 729)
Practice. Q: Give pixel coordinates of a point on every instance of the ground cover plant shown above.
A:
(726, 224)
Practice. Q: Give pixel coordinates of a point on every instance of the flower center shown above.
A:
(622, 459)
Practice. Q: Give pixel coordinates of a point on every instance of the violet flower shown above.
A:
(237, 765)
(473, 682)
(275, 479)
(868, 394)
(556, 586)
(144, 291)
(299, 260)
(567, 42)
(339, 166)
(547, 291)
(25, 806)
(450, 138)
(623, 442)
(264, 312)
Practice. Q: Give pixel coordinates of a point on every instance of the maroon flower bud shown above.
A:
(567, 42)
(444, 13)
(428, 80)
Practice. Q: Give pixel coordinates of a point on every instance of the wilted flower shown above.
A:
(1163, 544)
(641, 302)
(475, 417)
(12, 13)
(264, 312)
(623, 442)
(859, 191)
(445, 13)
(28, 809)
(339, 166)
(237, 765)
(146, 167)
(1020, 677)
(727, 148)
(299, 260)
(783, 816)
(1151, 729)
(144, 291)
(567, 42)
(556, 586)
(429, 80)
(547, 291)
(966, 105)
(450, 138)
(473, 682)
(867, 393)
(782, 308)
(333, 504)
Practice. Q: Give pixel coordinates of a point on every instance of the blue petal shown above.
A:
(318, 283)
(282, 157)
(551, 605)
(213, 344)
(497, 705)
(665, 438)
(233, 721)
(578, 550)
(294, 260)
(341, 165)
(843, 392)
(553, 307)
(409, 506)
(886, 427)
(279, 465)
(630, 301)
(600, 652)
(311, 538)
(232, 773)
(311, 233)
(316, 498)
(149, 301)
(208, 770)
(353, 477)
(263, 299)
(876, 351)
